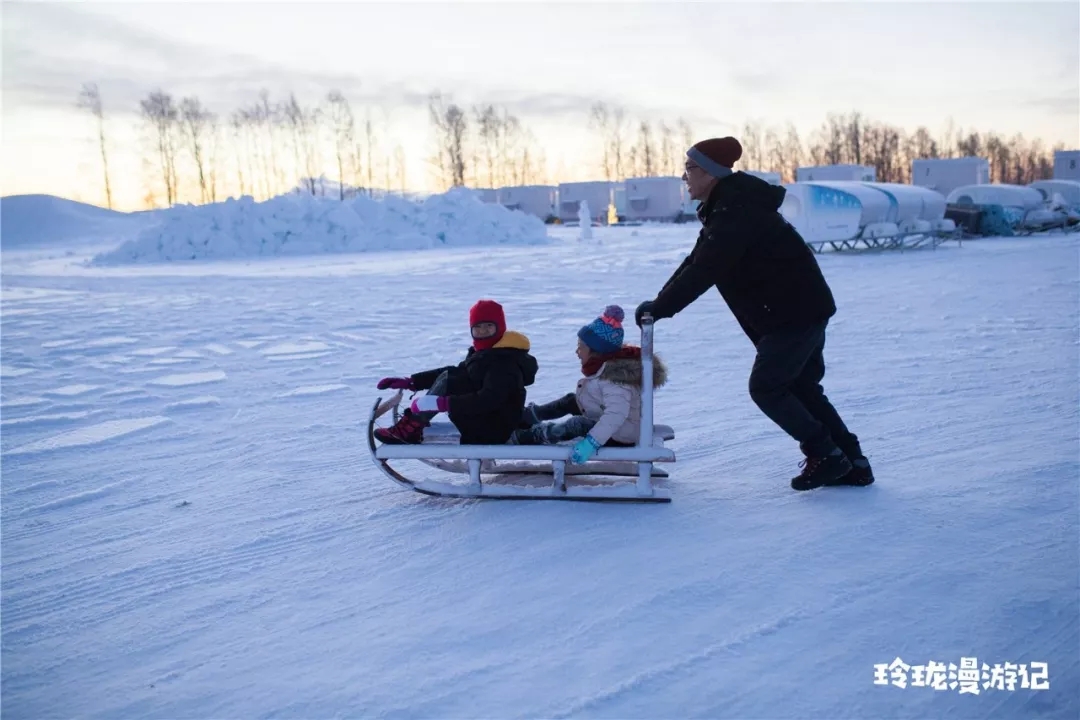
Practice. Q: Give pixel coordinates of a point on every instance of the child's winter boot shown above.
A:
(409, 430)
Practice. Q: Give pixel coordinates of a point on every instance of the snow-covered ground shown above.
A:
(191, 526)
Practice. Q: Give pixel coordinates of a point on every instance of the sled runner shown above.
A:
(543, 468)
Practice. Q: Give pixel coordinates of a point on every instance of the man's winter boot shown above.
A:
(860, 475)
(409, 430)
(819, 471)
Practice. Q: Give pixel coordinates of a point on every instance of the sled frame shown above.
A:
(644, 455)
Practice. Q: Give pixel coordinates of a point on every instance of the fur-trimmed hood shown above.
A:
(627, 371)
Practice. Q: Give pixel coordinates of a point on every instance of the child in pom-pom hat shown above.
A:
(606, 407)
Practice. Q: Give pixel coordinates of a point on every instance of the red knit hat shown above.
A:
(487, 311)
(720, 154)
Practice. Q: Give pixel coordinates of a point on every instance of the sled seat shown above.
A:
(446, 433)
(448, 451)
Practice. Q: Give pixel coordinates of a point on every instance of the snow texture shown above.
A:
(302, 224)
(243, 558)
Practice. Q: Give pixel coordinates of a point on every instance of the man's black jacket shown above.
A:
(755, 258)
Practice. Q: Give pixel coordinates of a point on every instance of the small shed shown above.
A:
(817, 173)
(598, 194)
(1067, 164)
(538, 200)
(654, 198)
(946, 174)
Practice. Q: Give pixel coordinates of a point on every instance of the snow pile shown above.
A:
(40, 220)
(305, 225)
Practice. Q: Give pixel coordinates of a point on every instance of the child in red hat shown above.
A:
(484, 395)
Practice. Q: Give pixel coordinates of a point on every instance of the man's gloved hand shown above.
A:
(431, 403)
(645, 307)
(583, 450)
(396, 383)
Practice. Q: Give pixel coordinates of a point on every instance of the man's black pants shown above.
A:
(786, 384)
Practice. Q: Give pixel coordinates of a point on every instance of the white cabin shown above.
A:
(1067, 190)
(537, 200)
(598, 194)
(946, 174)
(1067, 164)
(654, 198)
(863, 173)
(1010, 196)
(911, 202)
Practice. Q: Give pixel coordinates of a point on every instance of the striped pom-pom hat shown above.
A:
(605, 333)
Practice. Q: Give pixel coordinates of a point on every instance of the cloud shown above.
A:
(1060, 105)
(51, 50)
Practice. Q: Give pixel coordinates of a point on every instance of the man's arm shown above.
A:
(713, 259)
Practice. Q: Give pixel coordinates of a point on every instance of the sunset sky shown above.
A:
(1004, 67)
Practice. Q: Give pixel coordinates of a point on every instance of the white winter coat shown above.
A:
(612, 397)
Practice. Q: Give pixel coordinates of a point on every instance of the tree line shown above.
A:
(857, 140)
(193, 154)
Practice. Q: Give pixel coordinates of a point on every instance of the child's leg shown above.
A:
(439, 387)
(566, 405)
(554, 432)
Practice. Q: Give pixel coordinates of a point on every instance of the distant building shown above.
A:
(946, 174)
(1067, 164)
(864, 173)
(538, 200)
(598, 194)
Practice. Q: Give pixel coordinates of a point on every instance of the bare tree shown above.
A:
(369, 146)
(668, 164)
(647, 151)
(509, 139)
(303, 123)
(90, 99)
(487, 130)
(399, 166)
(619, 147)
(600, 121)
(752, 141)
(213, 157)
(344, 132)
(793, 153)
(160, 114)
(687, 134)
(776, 158)
(451, 126)
(196, 121)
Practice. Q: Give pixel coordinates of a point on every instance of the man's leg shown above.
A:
(781, 359)
(808, 389)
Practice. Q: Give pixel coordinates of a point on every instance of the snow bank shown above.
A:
(38, 220)
(297, 224)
